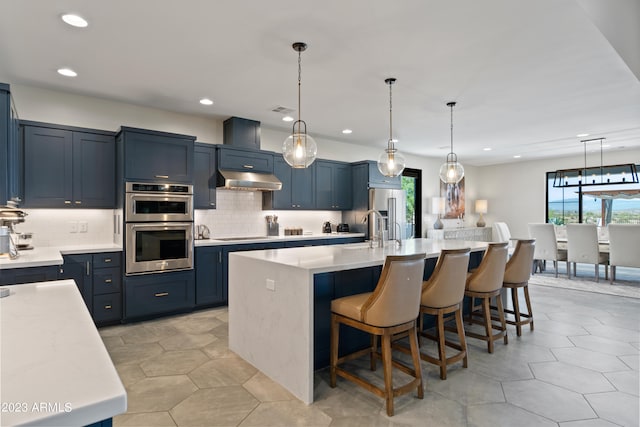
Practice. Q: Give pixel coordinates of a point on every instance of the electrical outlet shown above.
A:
(271, 284)
(83, 226)
(73, 226)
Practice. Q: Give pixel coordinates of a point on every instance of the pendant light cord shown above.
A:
(299, 84)
(451, 105)
(390, 144)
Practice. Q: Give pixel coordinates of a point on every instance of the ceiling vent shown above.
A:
(282, 110)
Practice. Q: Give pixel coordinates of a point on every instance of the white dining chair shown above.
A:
(624, 246)
(583, 247)
(501, 233)
(546, 246)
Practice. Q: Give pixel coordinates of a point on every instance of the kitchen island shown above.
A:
(279, 301)
(54, 367)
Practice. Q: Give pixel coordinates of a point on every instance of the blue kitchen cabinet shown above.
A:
(204, 176)
(245, 160)
(368, 173)
(208, 264)
(99, 279)
(78, 267)
(10, 153)
(151, 295)
(152, 156)
(298, 187)
(67, 167)
(333, 185)
(18, 276)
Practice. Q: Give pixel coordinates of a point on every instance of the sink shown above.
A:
(227, 239)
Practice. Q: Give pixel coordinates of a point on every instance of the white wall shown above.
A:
(516, 192)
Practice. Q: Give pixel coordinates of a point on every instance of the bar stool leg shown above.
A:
(415, 355)
(335, 331)
(486, 311)
(503, 321)
(528, 301)
(460, 329)
(386, 364)
(441, 348)
(516, 310)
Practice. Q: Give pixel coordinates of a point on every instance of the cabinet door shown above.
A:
(94, 161)
(209, 289)
(324, 185)
(152, 157)
(48, 172)
(342, 187)
(302, 187)
(377, 180)
(280, 199)
(204, 176)
(79, 268)
(4, 143)
(245, 160)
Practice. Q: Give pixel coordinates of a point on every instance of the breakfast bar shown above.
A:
(279, 301)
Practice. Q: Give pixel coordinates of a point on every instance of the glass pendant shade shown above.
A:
(451, 172)
(299, 150)
(391, 162)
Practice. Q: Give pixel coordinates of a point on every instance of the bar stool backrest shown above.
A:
(446, 285)
(489, 275)
(396, 299)
(519, 266)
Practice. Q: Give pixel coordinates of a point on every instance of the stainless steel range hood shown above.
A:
(251, 181)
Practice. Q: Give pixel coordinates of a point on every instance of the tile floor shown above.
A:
(579, 368)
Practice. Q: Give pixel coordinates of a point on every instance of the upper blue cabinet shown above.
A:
(152, 156)
(333, 185)
(244, 160)
(204, 179)
(68, 167)
(10, 153)
(367, 172)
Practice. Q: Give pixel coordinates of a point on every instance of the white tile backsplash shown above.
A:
(239, 213)
(52, 227)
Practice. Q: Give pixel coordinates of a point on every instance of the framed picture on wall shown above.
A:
(453, 199)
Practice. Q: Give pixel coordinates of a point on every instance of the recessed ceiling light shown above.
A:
(287, 119)
(67, 72)
(517, 156)
(206, 101)
(582, 135)
(75, 20)
(487, 149)
(347, 131)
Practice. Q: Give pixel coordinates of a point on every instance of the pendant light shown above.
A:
(299, 149)
(391, 162)
(451, 172)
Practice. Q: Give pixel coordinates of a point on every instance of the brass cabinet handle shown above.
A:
(107, 280)
(162, 294)
(107, 307)
(67, 202)
(162, 176)
(247, 166)
(78, 202)
(107, 260)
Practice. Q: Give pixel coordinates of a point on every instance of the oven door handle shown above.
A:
(163, 225)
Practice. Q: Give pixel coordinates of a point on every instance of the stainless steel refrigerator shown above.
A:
(392, 205)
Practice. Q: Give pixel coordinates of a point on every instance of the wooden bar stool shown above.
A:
(516, 275)
(391, 309)
(443, 294)
(485, 283)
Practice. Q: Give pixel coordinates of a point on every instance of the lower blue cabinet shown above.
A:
(161, 293)
(209, 289)
(18, 276)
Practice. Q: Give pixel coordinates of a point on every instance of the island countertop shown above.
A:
(54, 367)
(322, 259)
(274, 308)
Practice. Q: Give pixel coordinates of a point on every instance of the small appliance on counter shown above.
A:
(202, 232)
(342, 228)
(293, 231)
(23, 240)
(326, 227)
(273, 228)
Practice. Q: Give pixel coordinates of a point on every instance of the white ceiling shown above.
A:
(527, 75)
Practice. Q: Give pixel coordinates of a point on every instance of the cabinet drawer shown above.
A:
(159, 293)
(107, 307)
(244, 160)
(107, 259)
(107, 280)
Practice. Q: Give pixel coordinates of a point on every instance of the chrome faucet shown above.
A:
(379, 237)
(399, 235)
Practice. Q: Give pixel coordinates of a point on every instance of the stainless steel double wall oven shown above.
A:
(158, 227)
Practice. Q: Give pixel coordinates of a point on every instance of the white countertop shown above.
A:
(54, 363)
(322, 259)
(217, 242)
(46, 256)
